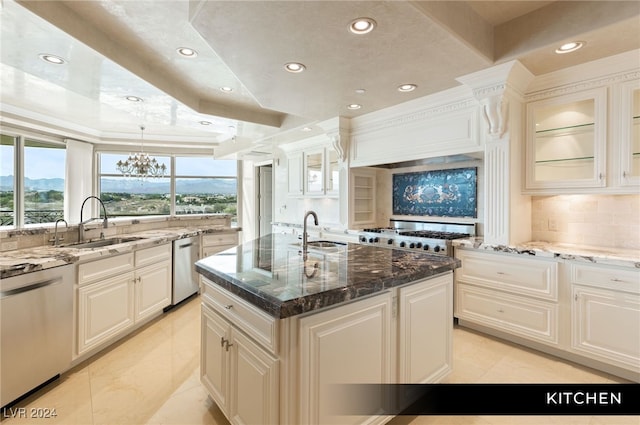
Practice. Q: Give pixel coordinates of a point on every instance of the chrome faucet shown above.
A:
(105, 222)
(57, 239)
(305, 236)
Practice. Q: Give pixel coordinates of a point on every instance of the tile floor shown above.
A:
(152, 377)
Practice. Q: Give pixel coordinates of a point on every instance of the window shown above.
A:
(205, 185)
(202, 186)
(32, 181)
(131, 196)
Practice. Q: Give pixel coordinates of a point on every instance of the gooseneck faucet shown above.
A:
(105, 222)
(305, 236)
(57, 238)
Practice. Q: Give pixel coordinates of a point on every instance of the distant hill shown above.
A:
(183, 187)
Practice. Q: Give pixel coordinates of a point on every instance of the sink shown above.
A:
(102, 242)
(325, 244)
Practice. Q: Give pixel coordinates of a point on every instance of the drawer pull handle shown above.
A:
(615, 279)
(228, 306)
(501, 311)
(227, 345)
(222, 341)
(502, 273)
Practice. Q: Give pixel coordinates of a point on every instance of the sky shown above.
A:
(49, 163)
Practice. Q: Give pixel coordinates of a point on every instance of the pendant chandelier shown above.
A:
(141, 165)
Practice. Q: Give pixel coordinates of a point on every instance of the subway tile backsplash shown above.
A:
(597, 220)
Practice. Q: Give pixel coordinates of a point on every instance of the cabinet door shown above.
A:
(566, 141)
(606, 326)
(425, 313)
(344, 345)
(254, 383)
(314, 173)
(153, 289)
(104, 310)
(294, 178)
(214, 359)
(332, 182)
(629, 139)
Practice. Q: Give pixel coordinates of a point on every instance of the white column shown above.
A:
(78, 179)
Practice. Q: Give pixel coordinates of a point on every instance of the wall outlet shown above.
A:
(552, 224)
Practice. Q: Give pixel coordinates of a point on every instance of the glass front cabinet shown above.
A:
(628, 138)
(566, 141)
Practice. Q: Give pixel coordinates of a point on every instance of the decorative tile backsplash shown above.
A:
(436, 193)
(598, 220)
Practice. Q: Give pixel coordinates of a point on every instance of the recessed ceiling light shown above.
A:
(187, 52)
(294, 67)
(407, 87)
(305, 129)
(360, 91)
(134, 98)
(205, 122)
(354, 106)
(56, 60)
(570, 47)
(226, 89)
(362, 25)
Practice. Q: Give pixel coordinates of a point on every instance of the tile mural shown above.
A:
(439, 193)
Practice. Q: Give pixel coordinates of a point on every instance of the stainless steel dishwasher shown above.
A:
(185, 279)
(36, 310)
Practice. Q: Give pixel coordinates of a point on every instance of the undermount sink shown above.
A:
(102, 242)
(325, 244)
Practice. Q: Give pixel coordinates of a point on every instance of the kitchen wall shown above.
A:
(600, 220)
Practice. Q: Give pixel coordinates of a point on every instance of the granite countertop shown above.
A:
(21, 261)
(590, 254)
(271, 274)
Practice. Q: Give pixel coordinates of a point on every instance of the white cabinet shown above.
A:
(313, 172)
(241, 376)
(294, 174)
(329, 356)
(105, 309)
(516, 295)
(627, 134)
(213, 243)
(566, 141)
(425, 330)
(605, 314)
(362, 197)
(117, 293)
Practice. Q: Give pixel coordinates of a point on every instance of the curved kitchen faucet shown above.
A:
(305, 236)
(105, 222)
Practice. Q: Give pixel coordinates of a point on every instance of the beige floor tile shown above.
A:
(152, 377)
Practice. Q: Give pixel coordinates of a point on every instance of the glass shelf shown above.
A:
(573, 129)
(549, 161)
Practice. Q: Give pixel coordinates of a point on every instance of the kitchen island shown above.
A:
(281, 329)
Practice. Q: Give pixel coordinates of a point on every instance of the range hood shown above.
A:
(439, 160)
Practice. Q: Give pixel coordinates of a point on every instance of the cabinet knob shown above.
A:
(228, 306)
(227, 345)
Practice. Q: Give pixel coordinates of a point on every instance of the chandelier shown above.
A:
(141, 164)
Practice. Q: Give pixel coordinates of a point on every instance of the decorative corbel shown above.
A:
(340, 145)
(495, 110)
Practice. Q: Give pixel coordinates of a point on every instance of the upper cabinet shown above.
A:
(566, 141)
(585, 142)
(314, 183)
(313, 172)
(628, 109)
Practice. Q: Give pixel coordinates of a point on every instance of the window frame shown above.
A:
(20, 142)
(172, 176)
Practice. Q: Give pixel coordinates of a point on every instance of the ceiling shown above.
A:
(119, 48)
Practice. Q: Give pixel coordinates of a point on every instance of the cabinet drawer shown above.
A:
(528, 318)
(522, 276)
(220, 239)
(100, 269)
(255, 323)
(211, 250)
(616, 278)
(153, 255)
